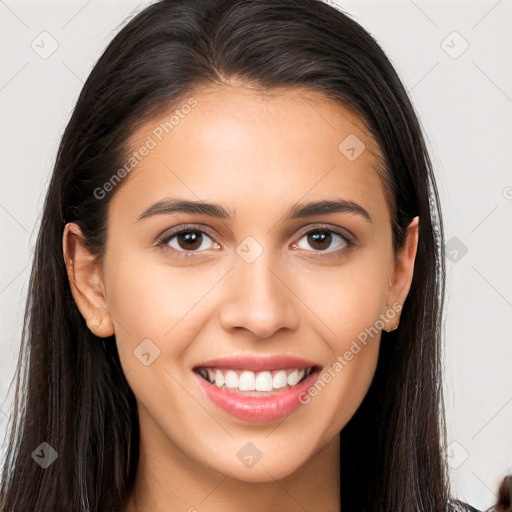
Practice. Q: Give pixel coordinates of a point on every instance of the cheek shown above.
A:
(150, 298)
(347, 305)
(352, 342)
(343, 301)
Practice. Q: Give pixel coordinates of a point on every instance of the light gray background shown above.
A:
(464, 100)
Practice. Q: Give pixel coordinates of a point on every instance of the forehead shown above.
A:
(247, 147)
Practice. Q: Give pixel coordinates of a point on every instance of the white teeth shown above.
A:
(293, 378)
(231, 379)
(263, 381)
(280, 380)
(247, 381)
(219, 378)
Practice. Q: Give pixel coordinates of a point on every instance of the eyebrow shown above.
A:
(175, 205)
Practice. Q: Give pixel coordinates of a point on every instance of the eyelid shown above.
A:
(344, 233)
(163, 238)
(176, 230)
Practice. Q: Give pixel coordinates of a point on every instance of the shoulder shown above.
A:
(459, 506)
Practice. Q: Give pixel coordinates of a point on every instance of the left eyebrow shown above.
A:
(325, 207)
(297, 211)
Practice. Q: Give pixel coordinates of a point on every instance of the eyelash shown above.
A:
(163, 240)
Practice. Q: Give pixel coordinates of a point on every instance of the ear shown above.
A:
(86, 281)
(401, 279)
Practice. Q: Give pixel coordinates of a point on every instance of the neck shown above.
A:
(169, 481)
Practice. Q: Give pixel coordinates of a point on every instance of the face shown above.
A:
(272, 285)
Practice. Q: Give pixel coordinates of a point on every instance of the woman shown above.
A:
(238, 283)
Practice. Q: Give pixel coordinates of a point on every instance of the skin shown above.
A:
(257, 154)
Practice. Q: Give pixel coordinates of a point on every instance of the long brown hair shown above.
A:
(71, 390)
(504, 503)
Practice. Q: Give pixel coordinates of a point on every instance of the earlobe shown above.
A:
(401, 279)
(85, 280)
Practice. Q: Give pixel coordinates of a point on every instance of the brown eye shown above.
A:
(319, 240)
(189, 240)
(323, 240)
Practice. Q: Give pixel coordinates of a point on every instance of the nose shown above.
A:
(259, 299)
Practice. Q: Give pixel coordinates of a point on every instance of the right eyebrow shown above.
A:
(174, 205)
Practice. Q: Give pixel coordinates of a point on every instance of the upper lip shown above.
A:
(258, 363)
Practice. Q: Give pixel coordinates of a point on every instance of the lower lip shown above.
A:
(257, 409)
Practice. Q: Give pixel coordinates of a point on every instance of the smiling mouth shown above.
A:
(252, 383)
